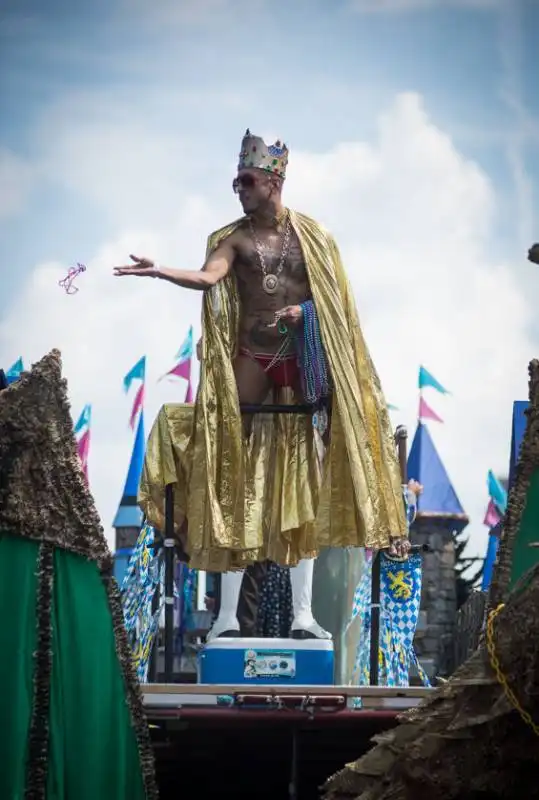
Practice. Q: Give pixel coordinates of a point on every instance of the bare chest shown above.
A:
(268, 261)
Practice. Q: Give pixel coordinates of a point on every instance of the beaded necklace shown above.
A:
(311, 356)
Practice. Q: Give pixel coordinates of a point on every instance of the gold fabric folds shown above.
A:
(268, 498)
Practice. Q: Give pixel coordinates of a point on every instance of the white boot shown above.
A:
(227, 619)
(304, 625)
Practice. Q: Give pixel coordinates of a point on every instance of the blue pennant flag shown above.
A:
(497, 493)
(137, 373)
(426, 379)
(186, 350)
(490, 560)
(85, 418)
(14, 372)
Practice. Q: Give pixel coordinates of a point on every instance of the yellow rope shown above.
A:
(502, 680)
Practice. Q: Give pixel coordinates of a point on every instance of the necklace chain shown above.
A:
(284, 253)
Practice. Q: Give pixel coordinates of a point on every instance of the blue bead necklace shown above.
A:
(312, 357)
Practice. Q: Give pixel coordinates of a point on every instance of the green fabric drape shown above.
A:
(525, 557)
(18, 588)
(93, 749)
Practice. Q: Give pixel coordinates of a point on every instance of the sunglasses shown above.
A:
(244, 182)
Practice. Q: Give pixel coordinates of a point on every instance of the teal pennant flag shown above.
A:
(427, 379)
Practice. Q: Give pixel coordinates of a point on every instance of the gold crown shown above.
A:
(256, 154)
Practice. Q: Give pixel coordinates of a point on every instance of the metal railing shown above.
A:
(468, 629)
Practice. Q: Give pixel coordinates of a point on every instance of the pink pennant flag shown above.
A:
(83, 447)
(426, 412)
(182, 370)
(137, 405)
(492, 516)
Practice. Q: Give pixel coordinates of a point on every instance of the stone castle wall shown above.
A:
(435, 635)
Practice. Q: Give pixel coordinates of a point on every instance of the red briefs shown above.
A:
(284, 372)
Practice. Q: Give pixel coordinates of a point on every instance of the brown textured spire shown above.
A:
(43, 495)
(528, 462)
(467, 740)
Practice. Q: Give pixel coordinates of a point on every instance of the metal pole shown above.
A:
(293, 786)
(375, 618)
(152, 670)
(201, 589)
(401, 439)
(250, 408)
(401, 436)
(179, 611)
(169, 543)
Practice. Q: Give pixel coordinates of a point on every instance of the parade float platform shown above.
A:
(264, 741)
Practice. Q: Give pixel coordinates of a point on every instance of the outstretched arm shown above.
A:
(217, 266)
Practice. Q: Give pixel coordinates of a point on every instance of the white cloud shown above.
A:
(413, 219)
(132, 166)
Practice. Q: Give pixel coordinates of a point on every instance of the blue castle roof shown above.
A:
(518, 429)
(129, 514)
(439, 498)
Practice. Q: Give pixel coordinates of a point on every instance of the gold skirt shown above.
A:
(282, 479)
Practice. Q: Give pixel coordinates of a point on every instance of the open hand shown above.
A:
(533, 254)
(141, 266)
(290, 314)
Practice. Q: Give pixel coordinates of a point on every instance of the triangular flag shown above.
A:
(426, 379)
(492, 517)
(83, 447)
(496, 492)
(426, 412)
(85, 418)
(137, 373)
(186, 350)
(181, 370)
(391, 407)
(490, 559)
(135, 468)
(14, 372)
(137, 405)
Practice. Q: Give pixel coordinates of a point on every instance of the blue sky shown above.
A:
(461, 59)
(414, 134)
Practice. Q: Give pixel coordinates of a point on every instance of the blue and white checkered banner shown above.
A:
(144, 573)
(400, 598)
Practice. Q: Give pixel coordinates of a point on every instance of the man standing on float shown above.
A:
(279, 322)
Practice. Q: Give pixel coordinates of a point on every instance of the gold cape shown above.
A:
(268, 498)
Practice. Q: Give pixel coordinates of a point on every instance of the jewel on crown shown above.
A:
(256, 154)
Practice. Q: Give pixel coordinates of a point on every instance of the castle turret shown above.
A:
(440, 517)
(128, 520)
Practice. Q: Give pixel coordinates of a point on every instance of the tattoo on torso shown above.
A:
(257, 307)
